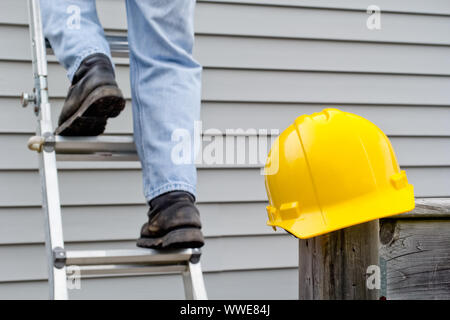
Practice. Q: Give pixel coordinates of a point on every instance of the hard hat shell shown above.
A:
(334, 170)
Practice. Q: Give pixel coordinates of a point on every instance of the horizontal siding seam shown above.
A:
(246, 35)
(199, 202)
(283, 102)
(75, 242)
(140, 204)
(315, 7)
(67, 169)
(231, 270)
(276, 69)
(417, 136)
(296, 6)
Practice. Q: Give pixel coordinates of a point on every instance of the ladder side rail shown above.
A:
(194, 285)
(47, 158)
(192, 272)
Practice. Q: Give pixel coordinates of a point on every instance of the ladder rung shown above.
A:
(113, 148)
(125, 269)
(130, 256)
(118, 45)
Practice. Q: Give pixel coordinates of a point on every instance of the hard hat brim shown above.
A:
(342, 215)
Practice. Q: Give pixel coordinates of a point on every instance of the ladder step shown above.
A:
(125, 270)
(101, 148)
(131, 256)
(118, 45)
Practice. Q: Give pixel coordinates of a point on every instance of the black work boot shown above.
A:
(174, 222)
(93, 97)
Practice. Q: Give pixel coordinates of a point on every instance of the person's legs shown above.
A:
(79, 43)
(166, 85)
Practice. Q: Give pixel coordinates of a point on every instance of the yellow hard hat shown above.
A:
(331, 170)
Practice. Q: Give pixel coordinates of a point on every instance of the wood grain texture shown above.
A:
(428, 208)
(334, 266)
(417, 255)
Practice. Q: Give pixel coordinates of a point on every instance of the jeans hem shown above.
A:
(180, 186)
(73, 69)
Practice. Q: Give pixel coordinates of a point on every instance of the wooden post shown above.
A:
(334, 266)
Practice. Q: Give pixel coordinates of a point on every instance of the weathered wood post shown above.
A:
(334, 266)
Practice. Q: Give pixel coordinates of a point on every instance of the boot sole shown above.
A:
(183, 238)
(90, 119)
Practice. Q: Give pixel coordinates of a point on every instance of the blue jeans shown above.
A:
(165, 79)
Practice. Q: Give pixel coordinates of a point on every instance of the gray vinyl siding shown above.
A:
(265, 62)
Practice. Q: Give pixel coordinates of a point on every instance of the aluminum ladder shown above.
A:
(51, 148)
